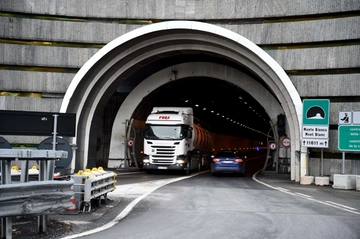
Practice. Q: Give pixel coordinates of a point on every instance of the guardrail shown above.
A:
(35, 198)
(90, 185)
(31, 198)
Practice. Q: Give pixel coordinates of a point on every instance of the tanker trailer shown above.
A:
(173, 142)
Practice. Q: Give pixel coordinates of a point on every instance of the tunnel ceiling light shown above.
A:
(236, 122)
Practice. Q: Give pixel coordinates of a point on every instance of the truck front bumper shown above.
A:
(164, 167)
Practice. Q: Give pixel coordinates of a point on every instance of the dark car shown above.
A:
(228, 161)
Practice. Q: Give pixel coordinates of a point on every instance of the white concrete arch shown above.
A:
(94, 83)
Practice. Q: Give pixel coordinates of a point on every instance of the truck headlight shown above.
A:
(180, 161)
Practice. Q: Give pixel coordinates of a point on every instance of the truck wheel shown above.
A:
(188, 168)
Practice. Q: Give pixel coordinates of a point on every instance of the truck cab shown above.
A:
(169, 140)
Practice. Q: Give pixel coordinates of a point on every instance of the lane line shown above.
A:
(120, 174)
(303, 195)
(129, 207)
(311, 199)
(340, 205)
(283, 189)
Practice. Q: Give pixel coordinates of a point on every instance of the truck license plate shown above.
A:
(162, 167)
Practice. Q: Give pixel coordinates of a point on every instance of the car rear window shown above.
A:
(227, 154)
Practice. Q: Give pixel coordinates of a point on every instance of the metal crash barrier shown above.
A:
(30, 198)
(91, 185)
(35, 198)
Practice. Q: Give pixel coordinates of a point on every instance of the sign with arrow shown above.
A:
(315, 130)
(315, 143)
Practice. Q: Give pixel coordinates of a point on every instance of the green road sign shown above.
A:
(349, 138)
(316, 112)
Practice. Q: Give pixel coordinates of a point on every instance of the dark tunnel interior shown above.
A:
(218, 106)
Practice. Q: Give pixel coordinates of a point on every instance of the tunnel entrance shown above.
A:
(220, 106)
(179, 59)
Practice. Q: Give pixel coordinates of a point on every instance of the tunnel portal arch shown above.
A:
(114, 65)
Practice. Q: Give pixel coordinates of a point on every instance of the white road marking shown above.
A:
(283, 189)
(303, 195)
(132, 189)
(342, 207)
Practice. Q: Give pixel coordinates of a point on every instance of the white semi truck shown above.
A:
(173, 142)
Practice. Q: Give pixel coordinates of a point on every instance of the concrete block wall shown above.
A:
(333, 166)
(170, 9)
(46, 82)
(48, 68)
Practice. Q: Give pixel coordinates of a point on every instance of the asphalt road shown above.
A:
(202, 206)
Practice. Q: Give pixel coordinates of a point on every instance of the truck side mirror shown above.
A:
(189, 134)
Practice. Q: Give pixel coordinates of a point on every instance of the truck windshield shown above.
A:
(165, 132)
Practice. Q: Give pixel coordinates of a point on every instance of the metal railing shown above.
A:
(35, 198)
(90, 185)
(31, 198)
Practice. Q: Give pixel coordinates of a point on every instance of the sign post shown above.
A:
(285, 142)
(348, 133)
(315, 130)
(130, 142)
(272, 146)
(349, 138)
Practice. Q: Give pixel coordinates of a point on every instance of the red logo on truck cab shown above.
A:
(164, 117)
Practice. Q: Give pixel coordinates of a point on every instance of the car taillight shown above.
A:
(216, 160)
(239, 160)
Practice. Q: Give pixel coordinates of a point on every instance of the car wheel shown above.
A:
(243, 171)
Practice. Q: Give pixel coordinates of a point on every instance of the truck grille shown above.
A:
(163, 155)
